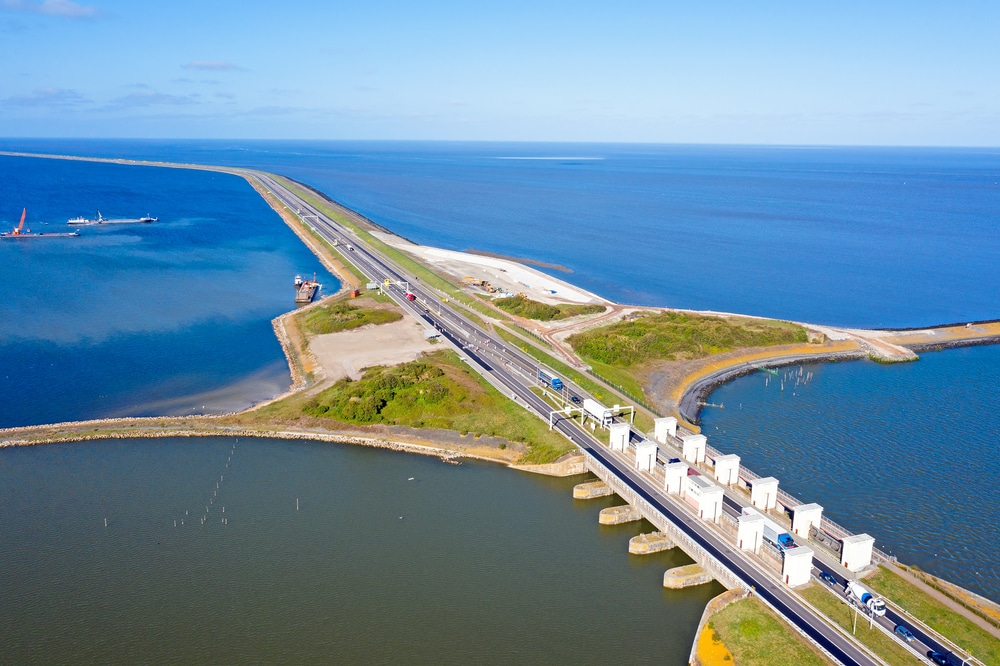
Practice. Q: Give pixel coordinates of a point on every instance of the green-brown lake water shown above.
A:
(468, 563)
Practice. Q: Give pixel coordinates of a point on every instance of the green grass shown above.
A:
(438, 391)
(757, 637)
(343, 316)
(674, 335)
(620, 378)
(529, 309)
(958, 629)
(842, 615)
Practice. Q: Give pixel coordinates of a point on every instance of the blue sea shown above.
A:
(172, 317)
(867, 237)
(873, 237)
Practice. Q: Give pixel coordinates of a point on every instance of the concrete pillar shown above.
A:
(710, 506)
(694, 448)
(645, 456)
(797, 566)
(857, 551)
(750, 532)
(805, 516)
(673, 477)
(727, 469)
(764, 493)
(664, 426)
(619, 436)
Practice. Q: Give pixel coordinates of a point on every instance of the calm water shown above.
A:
(905, 452)
(463, 564)
(171, 317)
(853, 236)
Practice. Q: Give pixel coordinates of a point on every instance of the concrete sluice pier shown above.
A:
(647, 544)
(592, 490)
(688, 575)
(619, 515)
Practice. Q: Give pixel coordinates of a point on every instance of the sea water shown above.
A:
(313, 553)
(172, 317)
(867, 237)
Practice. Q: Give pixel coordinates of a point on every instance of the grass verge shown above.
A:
(843, 616)
(757, 637)
(958, 629)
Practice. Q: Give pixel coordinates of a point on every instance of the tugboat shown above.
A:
(305, 290)
(20, 232)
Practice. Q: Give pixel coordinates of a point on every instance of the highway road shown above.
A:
(513, 373)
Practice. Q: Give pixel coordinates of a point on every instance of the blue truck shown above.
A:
(554, 382)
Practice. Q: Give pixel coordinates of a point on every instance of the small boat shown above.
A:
(305, 290)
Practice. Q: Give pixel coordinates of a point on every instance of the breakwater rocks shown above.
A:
(954, 344)
(155, 428)
(570, 465)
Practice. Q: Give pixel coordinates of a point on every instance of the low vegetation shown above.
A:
(437, 391)
(523, 306)
(679, 336)
(755, 636)
(343, 316)
(841, 614)
(959, 630)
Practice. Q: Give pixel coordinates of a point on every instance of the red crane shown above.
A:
(17, 229)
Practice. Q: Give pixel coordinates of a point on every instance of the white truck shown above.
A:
(599, 412)
(858, 593)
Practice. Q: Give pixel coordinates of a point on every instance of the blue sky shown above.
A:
(883, 73)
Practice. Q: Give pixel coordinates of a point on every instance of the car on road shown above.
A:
(939, 658)
(574, 399)
(828, 578)
(903, 633)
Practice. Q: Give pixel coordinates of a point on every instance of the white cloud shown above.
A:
(66, 8)
(152, 99)
(213, 65)
(51, 97)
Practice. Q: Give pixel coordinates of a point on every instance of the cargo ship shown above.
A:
(100, 219)
(20, 232)
(305, 290)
